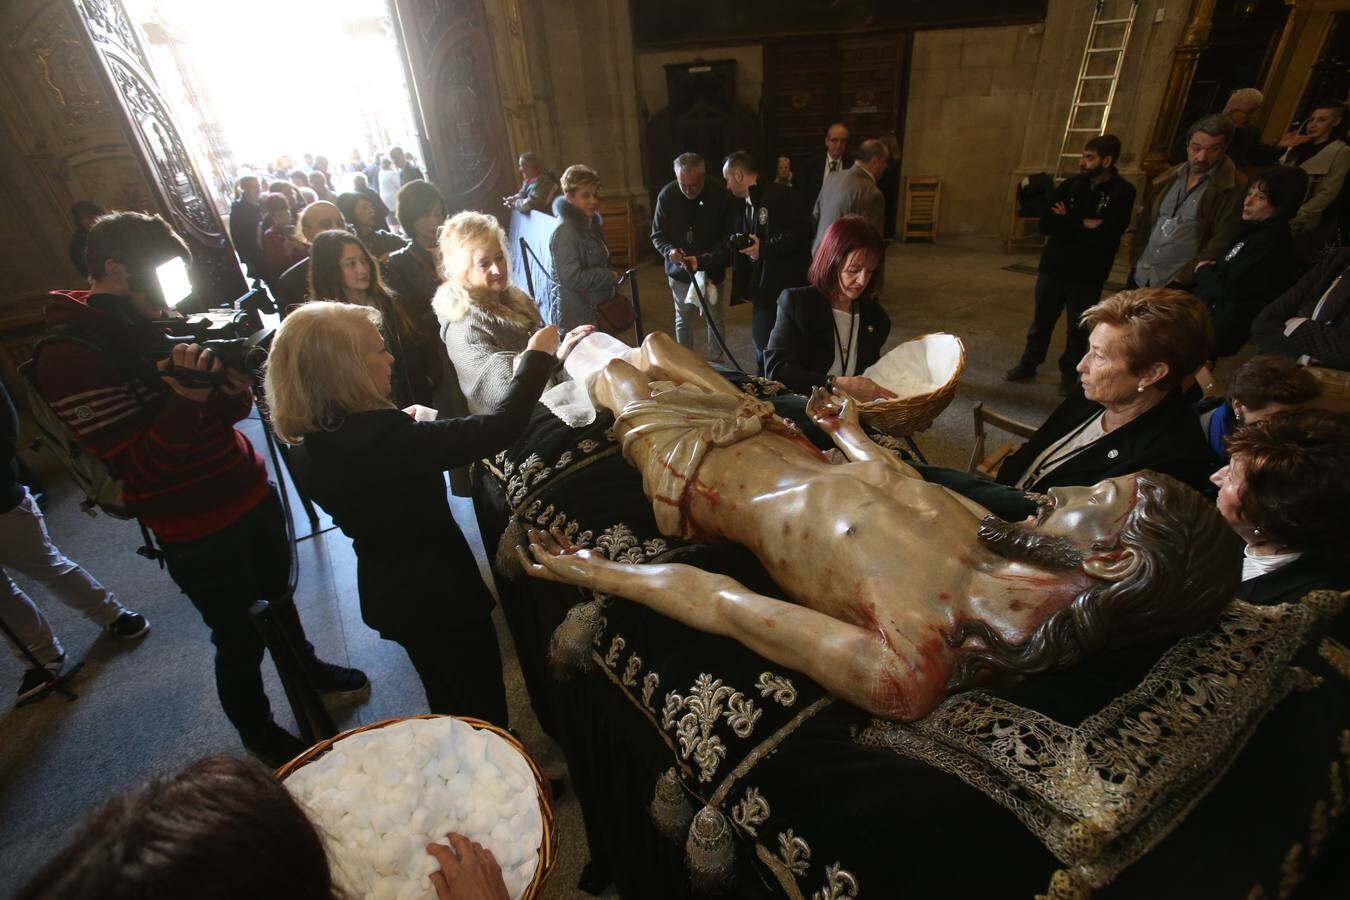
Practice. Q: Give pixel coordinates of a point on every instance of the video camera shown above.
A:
(238, 334)
(739, 241)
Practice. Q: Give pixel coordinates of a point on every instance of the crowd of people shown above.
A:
(406, 351)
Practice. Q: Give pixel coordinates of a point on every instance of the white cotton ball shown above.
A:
(477, 823)
(472, 752)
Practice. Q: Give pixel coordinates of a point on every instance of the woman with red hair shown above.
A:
(829, 332)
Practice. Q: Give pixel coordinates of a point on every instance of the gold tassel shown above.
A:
(671, 810)
(569, 650)
(513, 536)
(709, 851)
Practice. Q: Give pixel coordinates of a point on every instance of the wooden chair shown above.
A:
(989, 466)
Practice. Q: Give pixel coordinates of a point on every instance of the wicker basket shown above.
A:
(548, 844)
(907, 415)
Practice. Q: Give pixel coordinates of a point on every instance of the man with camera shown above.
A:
(689, 230)
(163, 421)
(772, 239)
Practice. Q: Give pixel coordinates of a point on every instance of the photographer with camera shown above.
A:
(689, 231)
(771, 243)
(163, 421)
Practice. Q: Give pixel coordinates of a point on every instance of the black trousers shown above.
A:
(225, 573)
(761, 326)
(461, 671)
(1053, 296)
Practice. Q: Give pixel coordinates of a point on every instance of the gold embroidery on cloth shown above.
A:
(1291, 871)
(751, 812)
(1327, 604)
(1064, 885)
(839, 885)
(1100, 795)
(777, 686)
(1256, 893)
(1317, 831)
(1335, 653)
(708, 701)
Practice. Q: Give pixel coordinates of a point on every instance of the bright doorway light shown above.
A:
(262, 79)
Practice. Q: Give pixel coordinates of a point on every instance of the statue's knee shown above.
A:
(657, 341)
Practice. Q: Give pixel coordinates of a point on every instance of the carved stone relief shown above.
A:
(62, 66)
(108, 24)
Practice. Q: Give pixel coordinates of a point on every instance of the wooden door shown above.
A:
(455, 102)
(855, 79)
(177, 187)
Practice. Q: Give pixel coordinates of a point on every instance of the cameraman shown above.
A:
(772, 236)
(186, 472)
(689, 231)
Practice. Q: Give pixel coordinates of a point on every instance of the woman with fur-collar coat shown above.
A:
(485, 320)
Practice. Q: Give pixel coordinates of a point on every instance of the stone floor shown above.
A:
(151, 707)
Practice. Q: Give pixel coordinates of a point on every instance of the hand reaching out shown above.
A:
(421, 413)
(573, 338)
(468, 871)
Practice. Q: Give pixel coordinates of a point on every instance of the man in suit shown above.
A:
(854, 192)
(775, 256)
(1311, 320)
(836, 159)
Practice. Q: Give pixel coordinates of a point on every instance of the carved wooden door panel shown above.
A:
(855, 79)
(455, 100)
(155, 139)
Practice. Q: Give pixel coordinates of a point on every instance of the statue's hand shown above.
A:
(553, 557)
(830, 410)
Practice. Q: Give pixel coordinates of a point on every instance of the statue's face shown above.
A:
(1089, 516)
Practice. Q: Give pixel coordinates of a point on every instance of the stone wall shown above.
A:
(988, 105)
(652, 74)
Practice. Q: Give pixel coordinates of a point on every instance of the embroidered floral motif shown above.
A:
(1337, 789)
(650, 682)
(708, 701)
(794, 852)
(563, 461)
(763, 387)
(630, 671)
(620, 544)
(742, 715)
(530, 472)
(778, 687)
(751, 812)
(615, 648)
(839, 885)
(587, 445)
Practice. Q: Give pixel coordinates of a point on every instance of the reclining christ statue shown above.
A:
(904, 591)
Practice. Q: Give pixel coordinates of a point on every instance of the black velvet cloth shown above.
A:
(896, 826)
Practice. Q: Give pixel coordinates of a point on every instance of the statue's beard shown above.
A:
(1020, 544)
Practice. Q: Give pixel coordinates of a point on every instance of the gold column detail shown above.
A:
(1194, 40)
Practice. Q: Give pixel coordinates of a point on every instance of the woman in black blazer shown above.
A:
(1285, 493)
(1131, 414)
(379, 471)
(828, 333)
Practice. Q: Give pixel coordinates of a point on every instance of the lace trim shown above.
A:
(1102, 794)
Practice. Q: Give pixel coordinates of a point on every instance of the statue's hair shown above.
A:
(1189, 569)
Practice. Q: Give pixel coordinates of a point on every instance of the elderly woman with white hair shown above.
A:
(379, 472)
(486, 321)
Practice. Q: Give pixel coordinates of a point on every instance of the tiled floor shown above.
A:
(151, 707)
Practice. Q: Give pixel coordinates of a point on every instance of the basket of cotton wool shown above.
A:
(922, 373)
(380, 793)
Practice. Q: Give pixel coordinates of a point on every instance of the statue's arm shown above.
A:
(851, 662)
(837, 415)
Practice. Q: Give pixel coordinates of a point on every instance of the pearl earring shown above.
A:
(1141, 387)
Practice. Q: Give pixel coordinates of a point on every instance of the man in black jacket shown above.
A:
(246, 224)
(1087, 216)
(1311, 320)
(776, 252)
(689, 230)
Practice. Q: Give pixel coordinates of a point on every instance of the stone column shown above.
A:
(1194, 40)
